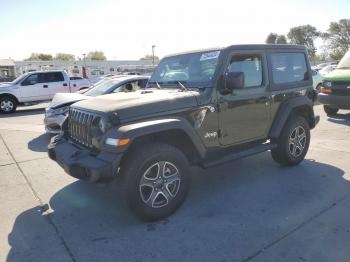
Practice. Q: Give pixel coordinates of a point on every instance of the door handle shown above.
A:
(263, 99)
(65, 84)
(45, 86)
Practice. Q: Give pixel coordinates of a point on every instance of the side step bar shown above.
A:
(237, 155)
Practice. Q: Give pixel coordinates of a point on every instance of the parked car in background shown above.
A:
(35, 87)
(79, 83)
(327, 69)
(57, 111)
(316, 80)
(335, 89)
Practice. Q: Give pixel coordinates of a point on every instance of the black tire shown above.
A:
(330, 111)
(143, 162)
(8, 105)
(289, 154)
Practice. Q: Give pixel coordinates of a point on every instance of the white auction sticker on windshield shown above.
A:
(210, 55)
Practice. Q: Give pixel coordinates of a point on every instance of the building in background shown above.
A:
(93, 68)
(7, 70)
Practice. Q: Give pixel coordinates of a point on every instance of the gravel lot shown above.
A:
(248, 210)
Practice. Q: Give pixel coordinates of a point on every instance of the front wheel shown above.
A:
(7, 105)
(293, 143)
(155, 180)
(330, 111)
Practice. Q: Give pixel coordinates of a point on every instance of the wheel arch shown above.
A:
(302, 106)
(176, 132)
(10, 95)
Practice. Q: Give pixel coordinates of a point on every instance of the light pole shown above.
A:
(84, 73)
(153, 46)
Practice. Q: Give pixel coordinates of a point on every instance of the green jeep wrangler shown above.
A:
(199, 108)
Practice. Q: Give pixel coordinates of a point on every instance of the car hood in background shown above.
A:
(62, 99)
(5, 84)
(338, 75)
(141, 102)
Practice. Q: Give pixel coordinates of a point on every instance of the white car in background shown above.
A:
(57, 112)
(36, 87)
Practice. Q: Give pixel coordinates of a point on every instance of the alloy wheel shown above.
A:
(6, 105)
(160, 184)
(297, 141)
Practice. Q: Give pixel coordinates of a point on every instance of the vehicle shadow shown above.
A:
(40, 143)
(231, 212)
(343, 119)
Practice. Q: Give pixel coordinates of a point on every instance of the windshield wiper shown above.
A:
(183, 88)
(157, 84)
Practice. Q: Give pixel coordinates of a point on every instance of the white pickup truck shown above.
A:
(36, 87)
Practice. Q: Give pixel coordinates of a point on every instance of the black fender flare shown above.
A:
(153, 126)
(285, 110)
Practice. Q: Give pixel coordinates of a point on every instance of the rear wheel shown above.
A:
(330, 111)
(7, 104)
(293, 143)
(155, 180)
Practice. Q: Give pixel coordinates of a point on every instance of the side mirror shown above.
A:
(234, 80)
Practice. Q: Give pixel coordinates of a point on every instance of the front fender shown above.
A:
(136, 130)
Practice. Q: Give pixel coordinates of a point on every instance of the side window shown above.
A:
(251, 66)
(31, 80)
(130, 86)
(289, 68)
(51, 77)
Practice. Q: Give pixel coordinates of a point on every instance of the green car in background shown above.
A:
(335, 89)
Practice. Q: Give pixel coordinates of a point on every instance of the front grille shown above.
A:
(80, 125)
(341, 88)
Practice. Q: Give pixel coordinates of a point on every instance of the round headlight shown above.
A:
(327, 84)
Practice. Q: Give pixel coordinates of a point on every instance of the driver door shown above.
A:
(32, 90)
(244, 113)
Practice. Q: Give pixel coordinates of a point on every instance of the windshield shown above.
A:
(18, 79)
(101, 87)
(345, 61)
(193, 69)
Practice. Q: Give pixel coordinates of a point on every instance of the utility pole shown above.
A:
(153, 46)
(85, 74)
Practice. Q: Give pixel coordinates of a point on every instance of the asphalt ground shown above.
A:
(248, 210)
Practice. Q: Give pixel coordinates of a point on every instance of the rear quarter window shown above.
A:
(289, 67)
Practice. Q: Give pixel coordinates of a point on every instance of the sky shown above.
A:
(127, 29)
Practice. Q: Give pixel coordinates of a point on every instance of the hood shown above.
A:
(141, 102)
(5, 84)
(338, 75)
(61, 99)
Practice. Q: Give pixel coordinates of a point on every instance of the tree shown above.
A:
(271, 38)
(39, 57)
(338, 37)
(274, 38)
(96, 55)
(64, 57)
(150, 57)
(281, 39)
(304, 35)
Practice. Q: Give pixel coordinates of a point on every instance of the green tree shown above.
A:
(281, 39)
(96, 55)
(64, 57)
(271, 38)
(39, 57)
(338, 37)
(274, 38)
(150, 57)
(304, 35)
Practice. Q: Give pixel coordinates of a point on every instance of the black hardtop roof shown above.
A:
(244, 47)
